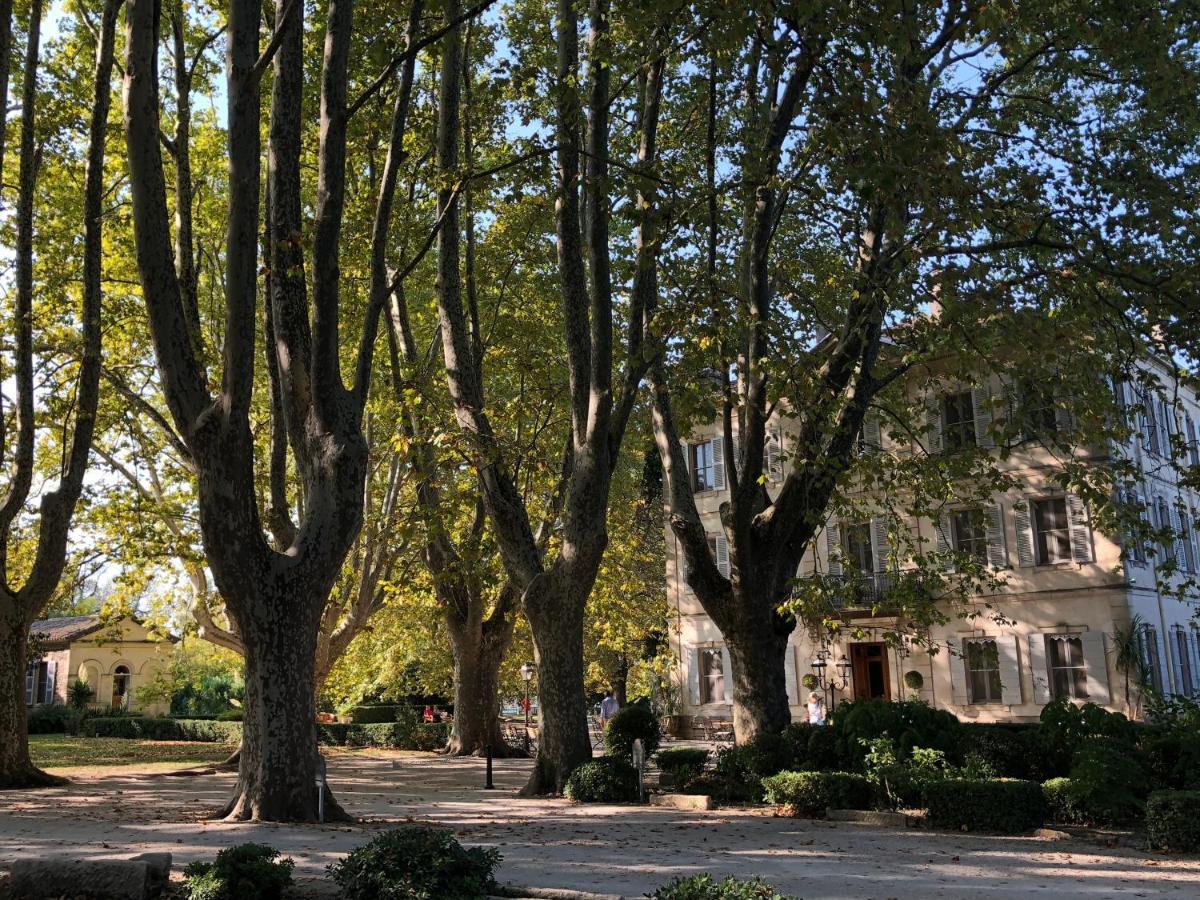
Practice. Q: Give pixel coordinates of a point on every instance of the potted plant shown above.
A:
(810, 682)
(914, 680)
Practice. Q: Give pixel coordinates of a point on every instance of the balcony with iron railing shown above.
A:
(859, 593)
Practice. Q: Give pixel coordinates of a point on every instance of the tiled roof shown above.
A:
(65, 630)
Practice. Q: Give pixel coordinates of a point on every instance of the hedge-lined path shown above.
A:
(552, 843)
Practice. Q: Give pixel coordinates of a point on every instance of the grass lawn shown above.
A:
(60, 751)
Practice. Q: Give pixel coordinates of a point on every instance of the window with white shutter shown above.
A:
(958, 421)
(1187, 680)
(833, 548)
(1150, 428)
(720, 548)
(981, 656)
(712, 675)
(706, 461)
(1023, 523)
(30, 683)
(1066, 667)
(871, 435)
(1081, 530)
(1151, 660)
(773, 455)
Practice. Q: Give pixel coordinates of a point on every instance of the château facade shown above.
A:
(1045, 630)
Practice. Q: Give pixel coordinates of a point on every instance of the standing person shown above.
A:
(816, 709)
(608, 709)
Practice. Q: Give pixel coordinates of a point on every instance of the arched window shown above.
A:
(120, 694)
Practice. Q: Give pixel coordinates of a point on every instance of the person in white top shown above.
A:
(816, 709)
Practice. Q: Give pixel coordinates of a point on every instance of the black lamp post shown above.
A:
(527, 676)
(820, 666)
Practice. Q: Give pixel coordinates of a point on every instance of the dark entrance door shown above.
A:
(870, 671)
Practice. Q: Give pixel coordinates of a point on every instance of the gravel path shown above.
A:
(553, 843)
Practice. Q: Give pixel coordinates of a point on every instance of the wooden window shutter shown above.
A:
(996, 550)
(1080, 528)
(833, 548)
(722, 544)
(933, 419)
(727, 668)
(1037, 667)
(943, 532)
(1023, 522)
(789, 674)
(872, 433)
(718, 458)
(773, 465)
(981, 402)
(694, 675)
(1095, 661)
(959, 694)
(880, 549)
(1008, 648)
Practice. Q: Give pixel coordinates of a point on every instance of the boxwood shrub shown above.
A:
(384, 735)
(1004, 805)
(416, 863)
(705, 887)
(241, 872)
(681, 757)
(811, 793)
(628, 725)
(608, 779)
(1173, 820)
(1062, 803)
(380, 712)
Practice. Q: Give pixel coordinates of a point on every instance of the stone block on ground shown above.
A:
(682, 801)
(141, 877)
(868, 817)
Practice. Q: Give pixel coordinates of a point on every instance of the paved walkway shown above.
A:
(553, 843)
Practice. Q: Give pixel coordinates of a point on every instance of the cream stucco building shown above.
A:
(115, 657)
(1066, 585)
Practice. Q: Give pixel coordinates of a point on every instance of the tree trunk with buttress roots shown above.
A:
(564, 742)
(757, 648)
(478, 652)
(16, 768)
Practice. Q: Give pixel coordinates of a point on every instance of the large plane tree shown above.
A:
(30, 576)
(275, 573)
(1018, 167)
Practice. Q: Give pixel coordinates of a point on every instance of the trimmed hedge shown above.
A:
(682, 757)
(628, 725)
(386, 735)
(1173, 820)
(608, 779)
(1063, 806)
(1004, 805)
(380, 712)
(811, 793)
(163, 729)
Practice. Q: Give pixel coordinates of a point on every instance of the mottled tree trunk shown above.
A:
(16, 770)
(563, 739)
(276, 777)
(477, 658)
(760, 700)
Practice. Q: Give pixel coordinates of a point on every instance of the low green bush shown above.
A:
(679, 757)
(744, 766)
(1005, 805)
(704, 887)
(163, 729)
(1063, 806)
(231, 715)
(242, 872)
(379, 712)
(900, 780)
(1173, 821)
(53, 718)
(628, 725)
(822, 752)
(1064, 727)
(416, 863)
(909, 723)
(811, 793)
(407, 735)
(1003, 750)
(1109, 783)
(608, 779)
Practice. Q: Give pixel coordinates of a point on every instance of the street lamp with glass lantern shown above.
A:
(527, 676)
(820, 667)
